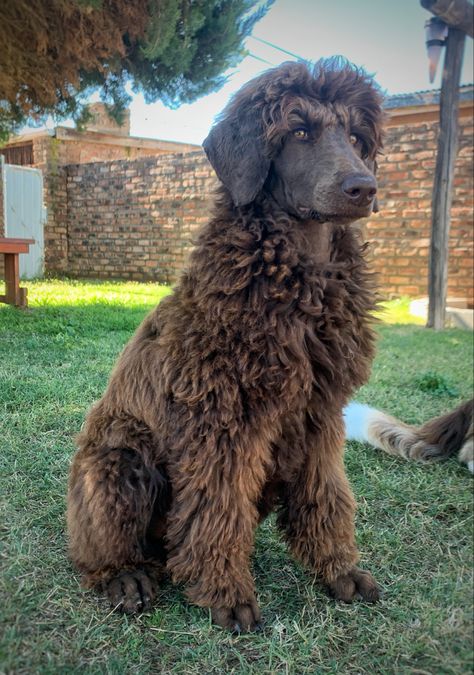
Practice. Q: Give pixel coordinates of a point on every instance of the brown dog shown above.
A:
(227, 403)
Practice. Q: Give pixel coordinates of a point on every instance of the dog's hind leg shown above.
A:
(113, 493)
(317, 515)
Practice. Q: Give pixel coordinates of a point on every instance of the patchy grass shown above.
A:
(414, 522)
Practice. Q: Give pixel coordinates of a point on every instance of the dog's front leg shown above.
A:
(216, 485)
(318, 515)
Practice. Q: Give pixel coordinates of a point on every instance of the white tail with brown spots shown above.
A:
(433, 441)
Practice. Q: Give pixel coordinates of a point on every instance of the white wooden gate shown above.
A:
(24, 214)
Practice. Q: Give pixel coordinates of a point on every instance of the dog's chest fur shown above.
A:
(279, 314)
(327, 343)
(323, 338)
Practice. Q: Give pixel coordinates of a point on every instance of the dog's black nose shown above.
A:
(360, 190)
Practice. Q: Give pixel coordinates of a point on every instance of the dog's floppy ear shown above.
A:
(236, 149)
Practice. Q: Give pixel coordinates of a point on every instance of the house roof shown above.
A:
(427, 97)
(103, 138)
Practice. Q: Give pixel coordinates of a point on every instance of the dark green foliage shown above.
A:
(55, 53)
(182, 64)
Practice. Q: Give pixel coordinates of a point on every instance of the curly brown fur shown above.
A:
(227, 403)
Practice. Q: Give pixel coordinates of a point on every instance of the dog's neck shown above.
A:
(318, 237)
(315, 237)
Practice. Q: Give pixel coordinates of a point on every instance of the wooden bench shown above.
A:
(11, 249)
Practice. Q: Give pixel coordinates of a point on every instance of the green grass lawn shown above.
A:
(414, 523)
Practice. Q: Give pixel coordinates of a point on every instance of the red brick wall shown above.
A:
(136, 219)
(52, 155)
(400, 233)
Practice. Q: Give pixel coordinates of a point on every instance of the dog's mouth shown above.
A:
(345, 216)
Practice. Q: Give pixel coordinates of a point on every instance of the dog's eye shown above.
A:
(353, 139)
(300, 134)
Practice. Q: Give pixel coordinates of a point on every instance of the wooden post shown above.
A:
(442, 189)
(11, 249)
(12, 275)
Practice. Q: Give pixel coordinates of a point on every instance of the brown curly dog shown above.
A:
(227, 403)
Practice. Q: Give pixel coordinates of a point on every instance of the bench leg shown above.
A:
(14, 295)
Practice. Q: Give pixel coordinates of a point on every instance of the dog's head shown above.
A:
(307, 137)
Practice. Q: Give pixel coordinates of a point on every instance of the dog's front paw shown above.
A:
(356, 583)
(130, 592)
(244, 618)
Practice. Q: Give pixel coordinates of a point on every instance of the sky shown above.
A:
(386, 37)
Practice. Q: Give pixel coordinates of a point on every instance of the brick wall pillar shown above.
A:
(46, 156)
